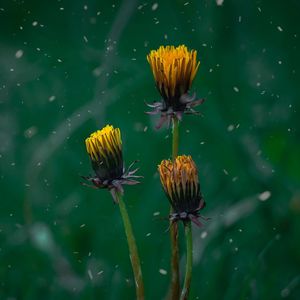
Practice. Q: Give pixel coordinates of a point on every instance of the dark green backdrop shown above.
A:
(71, 67)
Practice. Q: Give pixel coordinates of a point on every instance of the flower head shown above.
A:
(181, 185)
(174, 69)
(105, 150)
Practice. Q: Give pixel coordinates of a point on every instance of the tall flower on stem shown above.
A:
(180, 182)
(105, 150)
(174, 69)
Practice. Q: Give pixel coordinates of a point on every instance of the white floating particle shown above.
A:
(52, 98)
(19, 53)
(100, 272)
(162, 271)
(225, 172)
(34, 23)
(230, 241)
(230, 127)
(85, 39)
(82, 225)
(59, 60)
(30, 132)
(203, 234)
(157, 213)
(236, 89)
(154, 6)
(186, 3)
(219, 2)
(240, 19)
(148, 234)
(279, 28)
(85, 7)
(90, 274)
(97, 72)
(264, 196)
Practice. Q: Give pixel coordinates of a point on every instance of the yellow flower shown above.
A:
(105, 150)
(181, 185)
(174, 69)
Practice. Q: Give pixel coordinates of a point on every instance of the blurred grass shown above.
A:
(84, 66)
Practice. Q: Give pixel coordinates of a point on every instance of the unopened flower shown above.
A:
(105, 150)
(174, 69)
(181, 185)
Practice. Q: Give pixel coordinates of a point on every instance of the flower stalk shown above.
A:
(180, 182)
(175, 284)
(133, 252)
(175, 138)
(189, 261)
(105, 150)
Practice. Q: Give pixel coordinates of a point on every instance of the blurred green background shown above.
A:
(71, 67)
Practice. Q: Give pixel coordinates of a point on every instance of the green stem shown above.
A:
(174, 291)
(133, 252)
(189, 261)
(175, 141)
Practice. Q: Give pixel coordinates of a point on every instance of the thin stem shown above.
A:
(174, 291)
(133, 252)
(175, 140)
(189, 261)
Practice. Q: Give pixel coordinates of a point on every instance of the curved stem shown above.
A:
(174, 291)
(189, 261)
(133, 252)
